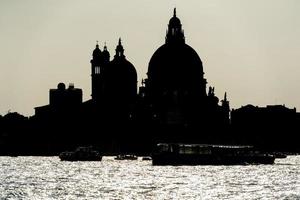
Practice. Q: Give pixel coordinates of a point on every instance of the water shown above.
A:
(49, 178)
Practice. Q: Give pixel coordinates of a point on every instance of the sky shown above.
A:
(249, 48)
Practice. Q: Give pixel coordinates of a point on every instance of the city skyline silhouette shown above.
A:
(175, 103)
(240, 55)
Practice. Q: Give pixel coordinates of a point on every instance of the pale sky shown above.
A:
(249, 48)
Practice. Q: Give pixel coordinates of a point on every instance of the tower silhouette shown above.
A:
(99, 62)
(120, 81)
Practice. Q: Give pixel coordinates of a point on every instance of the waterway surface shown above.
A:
(50, 178)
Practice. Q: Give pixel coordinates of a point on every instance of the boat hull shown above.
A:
(171, 159)
(81, 154)
(80, 159)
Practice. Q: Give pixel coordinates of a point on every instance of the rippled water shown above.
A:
(49, 178)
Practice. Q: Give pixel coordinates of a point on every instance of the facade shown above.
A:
(61, 99)
(177, 90)
(113, 80)
(273, 126)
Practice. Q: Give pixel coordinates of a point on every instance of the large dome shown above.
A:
(175, 66)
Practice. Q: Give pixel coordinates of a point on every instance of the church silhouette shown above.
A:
(173, 104)
(171, 101)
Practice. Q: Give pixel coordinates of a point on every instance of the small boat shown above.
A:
(81, 154)
(206, 154)
(126, 157)
(147, 158)
(279, 155)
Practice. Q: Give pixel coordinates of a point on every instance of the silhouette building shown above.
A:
(273, 126)
(61, 100)
(176, 89)
(112, 80)
(173, 104)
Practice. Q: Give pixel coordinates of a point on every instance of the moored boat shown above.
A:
(126, 157)
(279, 155)
(147, 158)
(206, 154)
(81, 154)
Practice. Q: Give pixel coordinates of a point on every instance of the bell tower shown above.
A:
(98, 64)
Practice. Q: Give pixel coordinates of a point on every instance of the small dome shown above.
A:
(105, 53)
(123, 69)
(121, 80)
(97, 51)
(61, 86)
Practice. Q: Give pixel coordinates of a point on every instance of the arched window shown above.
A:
(97, 70)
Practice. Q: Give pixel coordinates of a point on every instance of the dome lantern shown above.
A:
(119, 50)
(175, 33)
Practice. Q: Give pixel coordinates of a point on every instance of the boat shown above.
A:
(126, 157)
(280, 155)
(81, 154)
(208, 154)
(147, 158)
